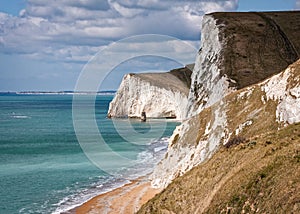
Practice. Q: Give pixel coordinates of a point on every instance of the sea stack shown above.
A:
(143, 117)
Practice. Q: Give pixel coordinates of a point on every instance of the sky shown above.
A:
(47, 45)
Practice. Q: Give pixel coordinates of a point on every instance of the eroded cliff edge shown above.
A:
(158, 94)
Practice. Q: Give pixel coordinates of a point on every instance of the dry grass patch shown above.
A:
(261, 177)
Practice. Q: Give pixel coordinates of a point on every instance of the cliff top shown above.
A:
(176, 79)
(257, 44)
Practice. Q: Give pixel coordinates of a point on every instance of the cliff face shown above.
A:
(208, 86)
(261, 147)
(254, 110)
(157, 94)
(241, 49)
(256, 168)
(237, 51)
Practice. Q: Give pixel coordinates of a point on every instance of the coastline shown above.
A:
(126, 199)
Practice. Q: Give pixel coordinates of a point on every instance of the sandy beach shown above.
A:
(126, 199)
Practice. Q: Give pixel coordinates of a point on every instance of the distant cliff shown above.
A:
(240, 49)
(157, 94)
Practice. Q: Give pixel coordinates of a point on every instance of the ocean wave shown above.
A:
(20, 116)
(76, 199)
(146, 160)
(144, 164)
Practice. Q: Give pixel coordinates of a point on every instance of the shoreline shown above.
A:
(125, 199)
(130, 195)
(137, 188)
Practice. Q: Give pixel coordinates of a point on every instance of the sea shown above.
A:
(44, 169)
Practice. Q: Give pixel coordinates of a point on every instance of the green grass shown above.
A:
(257, 45)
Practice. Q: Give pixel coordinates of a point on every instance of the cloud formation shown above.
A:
(69, 30)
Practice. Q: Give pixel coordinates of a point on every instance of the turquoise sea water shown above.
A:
(42, 166)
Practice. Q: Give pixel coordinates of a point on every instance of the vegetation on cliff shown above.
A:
(259, 175)
(257, 44)
(241, 49)
(256, 168)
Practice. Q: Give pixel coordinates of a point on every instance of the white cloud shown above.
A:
(125, 11)
(297, 5)
(74, 30)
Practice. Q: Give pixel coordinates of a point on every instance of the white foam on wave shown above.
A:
(20, 116)
(144, 164)
(75, 200)
(158, 149)
(146, 160)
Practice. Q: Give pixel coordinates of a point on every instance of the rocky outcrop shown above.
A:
(241, 49)
(159, 95)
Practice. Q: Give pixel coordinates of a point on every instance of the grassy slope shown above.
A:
(261, 174)
(184, 74)
(258, 45)
(176, 79)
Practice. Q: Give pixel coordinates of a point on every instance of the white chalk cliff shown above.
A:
(238, 50)
(157, 94)
(208, 86)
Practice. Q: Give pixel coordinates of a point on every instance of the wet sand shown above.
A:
(126, 199)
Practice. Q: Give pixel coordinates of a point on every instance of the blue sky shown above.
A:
(44, 45)
(12, 6)
(260, 5)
